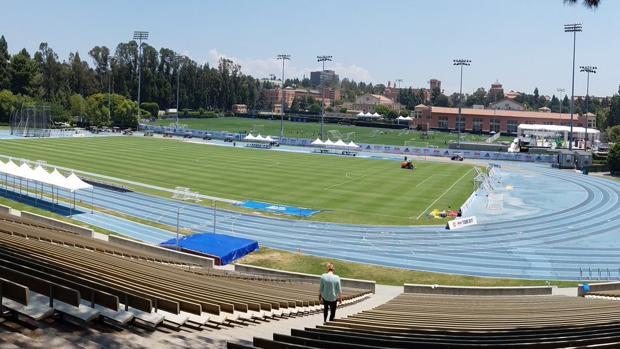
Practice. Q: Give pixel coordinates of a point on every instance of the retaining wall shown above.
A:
(603, 286)
(354, 283)
(58, 224)
(479, 291)
(164, 252)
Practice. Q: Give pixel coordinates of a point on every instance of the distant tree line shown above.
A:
(77, 90)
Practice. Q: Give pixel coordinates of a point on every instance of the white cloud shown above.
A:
(262, 68)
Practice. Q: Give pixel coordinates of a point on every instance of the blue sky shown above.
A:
(519, 43)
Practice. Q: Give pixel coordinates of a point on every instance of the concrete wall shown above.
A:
(5, 209)
(361, 284)
(478, 291)
(58, 224)
(205, 262)
(603, 286)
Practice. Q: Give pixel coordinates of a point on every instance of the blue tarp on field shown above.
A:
(225, 247)
(273, 208)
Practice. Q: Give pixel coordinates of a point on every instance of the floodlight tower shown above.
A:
(587, 69)
(179, 59)
(323, 59)
(139, 35)
(461, 63)
(283, 57)
(572, 28)
(560, 93)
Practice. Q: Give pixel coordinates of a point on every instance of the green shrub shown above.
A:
(613, 159)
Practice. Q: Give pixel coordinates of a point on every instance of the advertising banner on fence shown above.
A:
(462, 222)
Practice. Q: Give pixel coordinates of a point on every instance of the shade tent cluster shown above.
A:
(258, 138)
(369, 115)
(337, 144)
(71, 183)
(404, 118)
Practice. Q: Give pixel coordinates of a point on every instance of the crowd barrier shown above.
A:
(393, 149)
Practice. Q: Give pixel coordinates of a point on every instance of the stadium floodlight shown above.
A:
(179, 59)
(572, 28)
(461, 63)
(560, 93)
(139, 35)
(283, 57)
(587, 69)
(323, 59)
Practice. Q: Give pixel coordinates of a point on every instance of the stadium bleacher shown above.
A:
(447, 321)
(45, 271)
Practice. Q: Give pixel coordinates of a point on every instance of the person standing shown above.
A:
(330, 292)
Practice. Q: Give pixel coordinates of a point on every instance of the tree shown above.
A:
(25, 77)
(613, 118)
(152, 108)
(8, 103)
(613, 134)
(441, 100)
(382, 109)
(5, 74)
(315, 109)
(613, 159)
(77, 105)
(478, 97)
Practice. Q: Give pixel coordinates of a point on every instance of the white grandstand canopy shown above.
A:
(340, 143)
(556, 128)
(24, 172)
(328, 142)
(317, 142)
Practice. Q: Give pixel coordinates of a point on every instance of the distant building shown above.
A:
(486, 120)
(318, 78)
(273, 96)
(512, 94)
(368, 102)
(391, 92)
(506, 104)
(239, 108)
(435, 84)
(496, 92)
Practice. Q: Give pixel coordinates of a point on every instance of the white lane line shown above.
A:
(445, 192)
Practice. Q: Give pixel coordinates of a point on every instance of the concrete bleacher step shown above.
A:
(120, 317)
(200, 320)
(176, 320)
(149, 319)
(37, 308)
(82, 314)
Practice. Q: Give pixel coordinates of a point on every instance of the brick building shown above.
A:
(486, 120)
(272, 96)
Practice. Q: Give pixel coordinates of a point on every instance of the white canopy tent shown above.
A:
(361, 114)
(353, 145)
(317, 142)
(39, 175)
(249, 137)
(328, 143)
(340, 144)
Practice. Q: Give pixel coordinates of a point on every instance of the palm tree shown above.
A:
(586, 3)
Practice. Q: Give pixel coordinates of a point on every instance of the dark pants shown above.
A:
(331, 307)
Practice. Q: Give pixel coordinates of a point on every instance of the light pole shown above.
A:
(561, 98)
(139, 35)
(283, 57)
(323, 59)
(178, 214)
(572, 28)
(179, 58)
(587, 69)
(461, 63)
